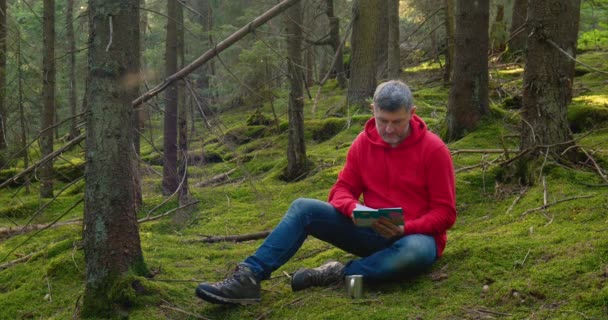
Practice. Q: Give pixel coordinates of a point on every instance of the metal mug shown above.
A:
(354, 286)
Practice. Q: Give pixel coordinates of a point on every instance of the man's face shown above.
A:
(393, 126)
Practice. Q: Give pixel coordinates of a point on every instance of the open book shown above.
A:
(366, 216)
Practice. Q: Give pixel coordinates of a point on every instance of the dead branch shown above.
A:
(44, 160)
(551, 42)
(595, 165)
(16, 261)
(215, 179)
(13, 231)
(234, 238)
(148, 218)
(459, 151)
(521, 194)
(223, 45)
(197, 316)
(554, 203)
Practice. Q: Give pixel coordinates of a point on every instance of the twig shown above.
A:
(234, 238)
(216, 178)
(572, 58)
(148, 218)
(11, 231)
(597, 168)
(555, 202)
(459, 151)
(111, 35)
(197, 316)
(16, 261)
(521, 194)
(493, 312)
(544, 192)
(177, 190)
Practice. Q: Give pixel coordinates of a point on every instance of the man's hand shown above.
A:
(387, 229)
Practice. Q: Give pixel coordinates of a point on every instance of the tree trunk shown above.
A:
(111, 238)
(170, 179)
(382, 38)
(498, 31)
(334, 38)
(182, 119)
(547, 87)
(296, 149)
(364, 58)
(205, 19)
(26, 158)
(3, 112)
(71, 45)
(394, 53)
(468, 101)
(48, 97)
(518, 35)
(449, 39)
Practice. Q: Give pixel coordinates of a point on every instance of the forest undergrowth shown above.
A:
(515, 252)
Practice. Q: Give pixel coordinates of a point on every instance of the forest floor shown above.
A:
(508, 256)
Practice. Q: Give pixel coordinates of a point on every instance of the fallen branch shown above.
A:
(13, 231)
(44, 160)
(16, 261)
(146, 219)
(197, 316)
(521, 194)
(458, 151)
(215, 179)
(554, 203)
(236, 238)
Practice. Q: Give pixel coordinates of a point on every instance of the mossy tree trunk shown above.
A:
(170, 178)
(468, 100)
(334, 38)
(548, 76)
(205, 20)
(111, 238)
(394, 53)
(23, 133)
(48, 97)
(364, 42)
(518, 35)
(296, 149)
(449, 39)
(3, 112)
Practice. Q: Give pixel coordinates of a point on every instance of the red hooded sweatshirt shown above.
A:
(417, 175)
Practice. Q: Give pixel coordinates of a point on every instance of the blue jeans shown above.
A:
(382, 258)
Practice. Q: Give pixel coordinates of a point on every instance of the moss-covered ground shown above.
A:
(502, 260)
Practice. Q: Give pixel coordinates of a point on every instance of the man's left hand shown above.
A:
(387, 229)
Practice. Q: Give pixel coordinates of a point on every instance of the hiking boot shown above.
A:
(240, 287)
(327, 274)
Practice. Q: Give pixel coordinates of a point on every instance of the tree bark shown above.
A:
(111, 238)
(48, 97)
(26, 158)
(182, 117)
(334, 38)
(382, 39)
(3, 112)
(468, 100)
(170, 179)
(394, 53)
(364, 58)
(71, 45)
(296, 149)
(518, 35)
(548, 76)
(449, 39)
(205, 19)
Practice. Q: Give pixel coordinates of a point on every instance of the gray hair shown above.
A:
(392, 95)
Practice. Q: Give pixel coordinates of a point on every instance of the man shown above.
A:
(394, 162)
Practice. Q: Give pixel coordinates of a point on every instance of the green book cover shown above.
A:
(366, 216)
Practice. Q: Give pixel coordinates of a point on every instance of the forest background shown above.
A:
(185, 180)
